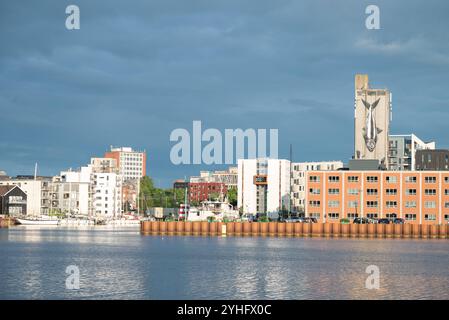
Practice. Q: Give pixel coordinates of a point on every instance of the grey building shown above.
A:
(432, 160)
(402, 150)
(13, 201)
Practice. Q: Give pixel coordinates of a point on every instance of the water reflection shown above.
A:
(119, 263)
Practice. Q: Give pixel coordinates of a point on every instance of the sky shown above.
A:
(137, 70)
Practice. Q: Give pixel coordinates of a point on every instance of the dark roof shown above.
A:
(5, 189)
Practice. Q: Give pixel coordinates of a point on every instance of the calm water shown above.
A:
(122, 264)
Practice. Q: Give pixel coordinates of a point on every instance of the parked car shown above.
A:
(248, 217)
(384, 221)
(361, 221)
(293, 220)
(398, 221)
(309, 220)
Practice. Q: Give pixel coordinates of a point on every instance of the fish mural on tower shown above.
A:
(370, 130)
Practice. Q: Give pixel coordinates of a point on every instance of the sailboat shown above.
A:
(38, 221)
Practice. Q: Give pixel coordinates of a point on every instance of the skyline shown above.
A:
(148, 69)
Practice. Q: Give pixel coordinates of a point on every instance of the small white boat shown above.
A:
(41, 222)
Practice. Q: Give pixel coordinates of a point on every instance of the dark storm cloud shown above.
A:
(137, 70)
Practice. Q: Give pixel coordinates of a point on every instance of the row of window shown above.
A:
(374, 204)
(408, 216)
(374, 192)
(388, 179)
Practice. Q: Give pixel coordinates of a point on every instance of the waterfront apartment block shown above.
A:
(263, 186)
(298, 183)
(419, 197)
(36, 189)
(402, 150)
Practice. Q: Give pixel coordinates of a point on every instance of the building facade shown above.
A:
(200, 191)
(13, 201)
(263, 186)
(432, 160)
(36, 191)
(298, 183)
(131, 163)
(132, 167)
(418, 197)
(228, 177)
(372, 114)
(402, 151)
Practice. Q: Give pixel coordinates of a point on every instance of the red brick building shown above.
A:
(200, 191)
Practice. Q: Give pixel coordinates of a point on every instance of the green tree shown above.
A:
(232, 196)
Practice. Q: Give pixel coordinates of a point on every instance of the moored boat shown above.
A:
(37, 221)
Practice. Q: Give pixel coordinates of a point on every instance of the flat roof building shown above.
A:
(419, 197)
(432, 160)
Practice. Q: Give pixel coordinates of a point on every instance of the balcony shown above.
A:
(17, 201)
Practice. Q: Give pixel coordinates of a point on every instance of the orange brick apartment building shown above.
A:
(419, 197)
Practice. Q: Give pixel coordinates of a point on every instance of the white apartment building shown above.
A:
(263, 186)
(402, 150)
(106, 195)
(94, 190)
(298, 182)
(70, 192)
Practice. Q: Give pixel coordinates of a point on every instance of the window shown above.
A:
(392, 179)
(334, 178)
(314, 203)
(410, 216)
(410, 192)
(372, 215)
(430, 192)
(352, 204)
(334, 191)
(446, 179)
(371, 179)
(371, 192)
(333, 216)
(333, 204)
(314, 191)
(446, 217)
(410, 179)
(352, 215)
(392, 192)
(430, 204)
(446, 204)
(353, 179)
(430, 217)
(391, 215)
(353, 191)
(314, 179)
(446, 192)
(315, 215)
(410, 204)
(430, 179)
(371, 204)
(391, 204)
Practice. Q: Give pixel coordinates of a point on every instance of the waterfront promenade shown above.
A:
(280, 229)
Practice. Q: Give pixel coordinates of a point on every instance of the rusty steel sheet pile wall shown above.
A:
(282, 229)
